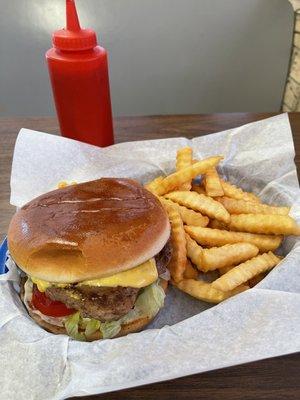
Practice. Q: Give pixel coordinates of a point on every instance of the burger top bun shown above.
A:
(88, 231)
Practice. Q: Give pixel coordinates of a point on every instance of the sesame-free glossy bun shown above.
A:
(88, 231)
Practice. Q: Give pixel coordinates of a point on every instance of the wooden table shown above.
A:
(273, 379)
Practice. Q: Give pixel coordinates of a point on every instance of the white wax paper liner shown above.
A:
(188, 336)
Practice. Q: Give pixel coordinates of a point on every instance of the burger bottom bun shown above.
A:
(134, 326)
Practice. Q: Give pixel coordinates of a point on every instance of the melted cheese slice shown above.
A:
(43, 285)
(137, 277)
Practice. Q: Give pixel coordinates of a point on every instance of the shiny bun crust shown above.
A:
(88, 231)
(134, 326)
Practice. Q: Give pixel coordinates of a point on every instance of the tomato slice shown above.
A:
(48, 306)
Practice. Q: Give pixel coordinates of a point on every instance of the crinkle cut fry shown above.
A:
(201, 203)
(235, 192)
(194, 251)
(229, 254)
(184, 158)
(246, 271)
(152, 184)
(176, 179)
(264, 224)
(190, 272)
(212, 183)
(178, 261)
(217, 237)
(204, 291)
(190, 217)
(234, 206)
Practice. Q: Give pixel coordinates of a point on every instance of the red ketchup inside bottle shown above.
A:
(78, 71)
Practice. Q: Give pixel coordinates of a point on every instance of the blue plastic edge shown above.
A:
(3, 252)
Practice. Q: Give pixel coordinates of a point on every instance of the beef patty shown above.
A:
(102, 303)
(105, 303)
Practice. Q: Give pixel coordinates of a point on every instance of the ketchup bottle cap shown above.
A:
(73, 38)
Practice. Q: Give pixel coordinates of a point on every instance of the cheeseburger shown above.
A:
(93, 257)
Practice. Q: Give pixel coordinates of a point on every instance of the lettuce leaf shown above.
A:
(150, 300)
(130, 316)
(110, 329)
(92, 326)
(83, 322)
(71, 325)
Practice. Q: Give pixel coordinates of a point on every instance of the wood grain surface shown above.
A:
(271, 379)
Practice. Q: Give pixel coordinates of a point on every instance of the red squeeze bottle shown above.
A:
(79, 76)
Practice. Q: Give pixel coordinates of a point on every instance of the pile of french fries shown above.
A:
(223, 238)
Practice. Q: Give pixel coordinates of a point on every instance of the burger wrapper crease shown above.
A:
(187, 336)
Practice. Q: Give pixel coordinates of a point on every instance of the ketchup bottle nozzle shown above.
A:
(73, 38)
(71, 16)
